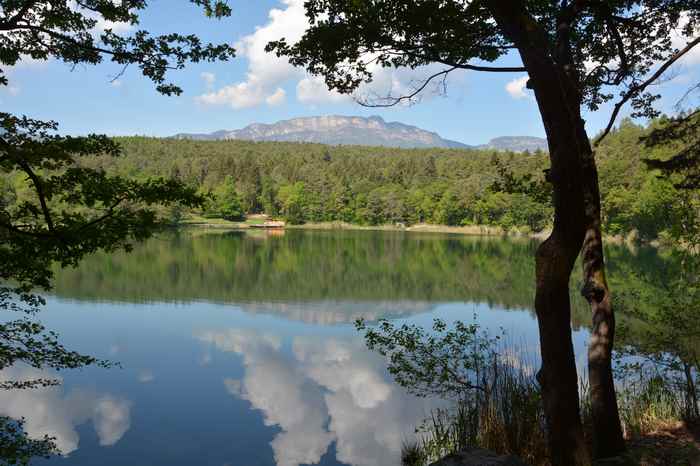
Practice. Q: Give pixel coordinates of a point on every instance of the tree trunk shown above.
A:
(692, 394)
(607, 430)
(576, 223)
(557, 377)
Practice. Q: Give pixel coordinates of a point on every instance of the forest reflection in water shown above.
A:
(331, 276)
(241, 350)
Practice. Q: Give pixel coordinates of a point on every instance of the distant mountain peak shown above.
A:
(345, 130)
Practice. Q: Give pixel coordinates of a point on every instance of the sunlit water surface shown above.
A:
(240, 348)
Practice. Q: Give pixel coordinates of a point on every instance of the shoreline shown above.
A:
(467, 230)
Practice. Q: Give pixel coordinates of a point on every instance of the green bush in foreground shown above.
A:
(494, 397)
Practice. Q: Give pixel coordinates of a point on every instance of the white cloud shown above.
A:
(265, 70)
(101, 23)
(516, 88)
(267, 73)
(277, 98)
(241, 95)
(111, 417)
(208, 78)
(146, 376)
(117, 28)
(25, 62)
(369, 416)
(47, 411)
(679, 41)
(313, 90)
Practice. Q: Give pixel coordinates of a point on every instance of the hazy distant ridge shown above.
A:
(353, 130)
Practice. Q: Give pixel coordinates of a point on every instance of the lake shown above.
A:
(238, 348)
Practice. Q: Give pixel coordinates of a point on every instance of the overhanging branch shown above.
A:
(397, 100)
(635, 90)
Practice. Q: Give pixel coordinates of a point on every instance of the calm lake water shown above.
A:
(239, 348)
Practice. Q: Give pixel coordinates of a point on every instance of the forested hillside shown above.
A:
(378, 185)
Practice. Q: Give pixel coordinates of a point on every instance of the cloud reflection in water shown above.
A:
(323, 390)
(48, 411)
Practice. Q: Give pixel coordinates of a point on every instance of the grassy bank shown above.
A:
(474, 230)
(468, 230)
(506, 416)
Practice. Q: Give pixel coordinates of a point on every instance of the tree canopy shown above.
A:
(607, 47)
(83, 32)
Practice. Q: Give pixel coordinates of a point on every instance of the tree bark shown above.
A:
(576, 225)
(557, 376)
(608, 439)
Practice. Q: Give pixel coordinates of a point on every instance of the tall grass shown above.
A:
(505, 415)
(646, 405)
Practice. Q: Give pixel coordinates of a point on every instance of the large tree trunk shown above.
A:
(607, 431)
(557, 377)
(576, 224)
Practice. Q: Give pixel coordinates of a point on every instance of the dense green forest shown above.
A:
(377, 185)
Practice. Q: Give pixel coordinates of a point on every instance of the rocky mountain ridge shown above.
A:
(354, 130)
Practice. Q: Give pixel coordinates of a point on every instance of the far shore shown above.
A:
(467, 230)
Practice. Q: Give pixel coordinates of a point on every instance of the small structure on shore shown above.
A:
(269, 224)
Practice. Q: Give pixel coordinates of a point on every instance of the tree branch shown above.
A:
(396, 100)
(38, 187)
(73, 41)
(488, 69)
(635, 90)
(12, 22)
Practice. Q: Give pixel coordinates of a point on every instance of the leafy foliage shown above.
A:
(666, 345)
(379, 185)
(444, 362)
(69, 211)
(16, 449)
(497, 401)
(606, 47)
(67, 30)
(683, 134)
(226, 202)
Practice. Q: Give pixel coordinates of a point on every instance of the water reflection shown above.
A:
(338, 312)
(244, 348)
(51, 412)
(320, 391)
(334, 276)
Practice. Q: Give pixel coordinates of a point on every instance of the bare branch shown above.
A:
(635, 90)
(397, 100)
(36, 181)
(120, 74)
(679, 104)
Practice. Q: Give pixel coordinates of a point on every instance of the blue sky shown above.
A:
(257, 87)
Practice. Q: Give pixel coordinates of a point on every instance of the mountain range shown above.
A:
(354, 130)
